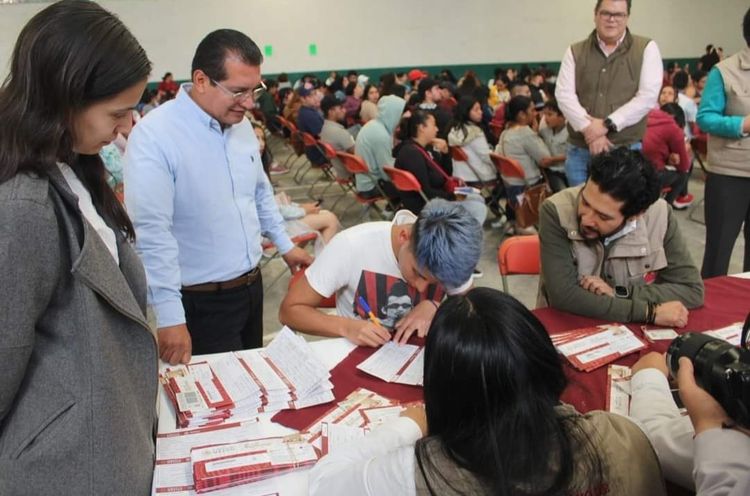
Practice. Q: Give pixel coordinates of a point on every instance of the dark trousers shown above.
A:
(388, 188)
(675, 180)
(726, 207)
(225, 320)
(557, 180)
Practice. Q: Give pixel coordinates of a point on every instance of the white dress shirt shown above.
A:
(629, 114)
(670, 432)
(199, 201)
(722, 463)
(89, 211)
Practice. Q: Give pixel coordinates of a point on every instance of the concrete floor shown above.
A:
(522, 287)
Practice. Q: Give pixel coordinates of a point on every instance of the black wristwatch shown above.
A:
(622, 292)
(611, 126)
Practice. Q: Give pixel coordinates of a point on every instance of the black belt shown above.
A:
(245, 279)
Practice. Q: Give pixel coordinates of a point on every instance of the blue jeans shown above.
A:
(577, 163)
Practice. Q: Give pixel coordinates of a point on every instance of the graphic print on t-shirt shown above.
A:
(390, 298)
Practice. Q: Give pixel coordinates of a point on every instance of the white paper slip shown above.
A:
(295, 360)
(173, 477)
(379, 414)
(177, 445)
(618, 389)
(659, 334)
(731, 333)
(403, 364)
(592, 347)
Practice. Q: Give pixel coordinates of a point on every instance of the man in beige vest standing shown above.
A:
(725, 115)
(611, 249)
(606, 86)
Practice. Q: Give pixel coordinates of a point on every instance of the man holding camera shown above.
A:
(707, 451)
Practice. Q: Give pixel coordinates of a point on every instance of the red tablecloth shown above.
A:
(726, 301)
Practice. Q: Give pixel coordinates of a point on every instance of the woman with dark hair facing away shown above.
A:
(78, 361)
(467, 133)
(521, 142)
(417, 134)
(492, 422)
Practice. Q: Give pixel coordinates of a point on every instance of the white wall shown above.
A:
(391, 33)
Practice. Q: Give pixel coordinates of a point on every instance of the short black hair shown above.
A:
(626, 176)
(552, 105)
(676, 112)
(515, 106)
(698, 75)
(680, 80)
(746, 27)
(599, 3)
(212, 52)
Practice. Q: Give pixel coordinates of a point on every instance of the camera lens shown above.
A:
(721, 368)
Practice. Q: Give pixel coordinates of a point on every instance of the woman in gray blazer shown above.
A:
(78, 363)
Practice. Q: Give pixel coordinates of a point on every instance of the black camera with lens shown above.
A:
(721, 368)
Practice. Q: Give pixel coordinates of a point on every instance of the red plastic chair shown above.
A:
(507, 167)
(301, 240)
(356, 165)
(496, 129)
(518, 255)
(458, 154)
(310, 141)
(293, 141)
(329, 302)
(405, 181)
(345, 183)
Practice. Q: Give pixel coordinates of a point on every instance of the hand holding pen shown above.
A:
(367, 332)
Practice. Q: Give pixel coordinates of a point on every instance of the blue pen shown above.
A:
(366, 308)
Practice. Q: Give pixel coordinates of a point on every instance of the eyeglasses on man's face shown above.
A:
(612, 16)
(241, 96)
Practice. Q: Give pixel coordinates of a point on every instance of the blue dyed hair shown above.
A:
(447, 241)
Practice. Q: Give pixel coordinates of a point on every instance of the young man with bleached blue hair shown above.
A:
(434, 254)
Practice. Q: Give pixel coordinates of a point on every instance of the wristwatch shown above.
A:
(611, 126)
(622, 292)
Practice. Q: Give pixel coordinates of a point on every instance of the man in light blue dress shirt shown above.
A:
(199, 201)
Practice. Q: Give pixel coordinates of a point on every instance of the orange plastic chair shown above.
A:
(405, 181)
(329, 302)
(518, 255)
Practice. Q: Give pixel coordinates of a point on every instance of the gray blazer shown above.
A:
(78, 363)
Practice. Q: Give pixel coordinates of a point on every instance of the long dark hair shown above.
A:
(409, 126)
(461, 119)
(492, 380)
(68, 56)
(515, 106)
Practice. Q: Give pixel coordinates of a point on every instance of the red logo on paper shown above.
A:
(649, 277)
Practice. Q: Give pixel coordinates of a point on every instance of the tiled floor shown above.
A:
(522, 287)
